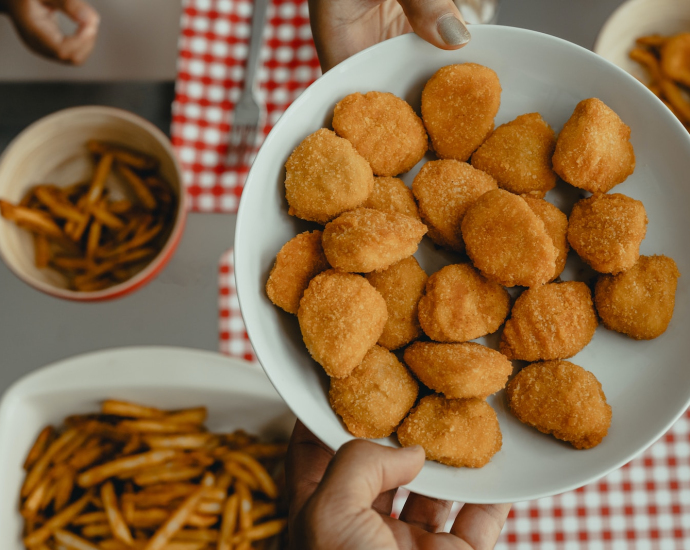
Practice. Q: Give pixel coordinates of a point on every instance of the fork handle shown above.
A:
(255, 42)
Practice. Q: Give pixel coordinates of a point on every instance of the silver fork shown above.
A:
(247, 114)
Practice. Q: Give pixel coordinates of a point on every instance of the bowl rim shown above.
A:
(159, 261)
(242, 242)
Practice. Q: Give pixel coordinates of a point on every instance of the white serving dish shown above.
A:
(646, 383)
(237, 395)
(636, 18)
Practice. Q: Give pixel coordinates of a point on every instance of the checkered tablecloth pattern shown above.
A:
(213, 49)
(644, 505)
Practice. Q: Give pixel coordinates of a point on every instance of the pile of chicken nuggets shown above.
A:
(396, 341)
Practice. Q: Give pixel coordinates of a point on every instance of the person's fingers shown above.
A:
(438, 22)
(80, 12)
(306, 461)
(384, 502)
(77, 48)
(361, 470)
(429, 514)
(480, 524)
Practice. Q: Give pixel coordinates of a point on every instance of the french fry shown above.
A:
(57, 522)
(201, 521)
(46, 435)
(224, 481)
(65, 262)
(48, 497)
(134, 159)
(184, 441)
(127, 464)
(675, 97)
(58, 205)
(245, 506)
(649, 61)
(101, 213)
(89, 518)
(33, 503)
(35, 220)
(655, 41)
(66, 452)
(155, 426)
(239, 473)
(137, 185)
(261, 510)
(196, 415)
(140, 239)
(133, 445)
(73, 542)
(40, 467)
(120, 207)
(163, 474)
(210, 507)
(64, 485)
(94, 239)
(261, 531)
(117, 523)
(93, 195)
(228, 522)
(197, 535)
(264, 480)
(130, 410)
(97, 530)
(176, 522)
(162, 498)
(42, 252)
(217, 494)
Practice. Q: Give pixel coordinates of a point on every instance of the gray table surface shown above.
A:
(180, 307)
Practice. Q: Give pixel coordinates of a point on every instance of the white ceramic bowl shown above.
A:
(636, 18)
(237, 395)
(52, 150)
(646, 383)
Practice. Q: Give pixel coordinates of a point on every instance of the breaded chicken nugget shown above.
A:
(456, 432)
(459, 304)
(341, 317)
(444, 190)
(384, 129)
(556, 225)
(459, 104)
(563, 399)
(376, 396)
(640, 301)
(297, 263)
(459, 371)
(593, 151)
(518, 155)
(606, 231)
(365, 240)
(326, 176)
(402, 286)
(392, 195)
(507, 241)
(553, 321)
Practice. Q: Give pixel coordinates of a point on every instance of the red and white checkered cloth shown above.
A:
(644, 505)
(213, 48)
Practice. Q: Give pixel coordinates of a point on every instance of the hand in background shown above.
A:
(344, 501)
(36, 23)
(342, 28)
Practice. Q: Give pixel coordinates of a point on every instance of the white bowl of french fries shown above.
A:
(91, 203)
(143, 448)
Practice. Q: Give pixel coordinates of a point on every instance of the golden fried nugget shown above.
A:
(402, 286)
(459, 371)
(556, 225)
(341, 317)
(507, 241)
(459, 104)
(365, 240)
(563, 399)
(384, 129)
(456, 432)
(606, 231)
(376, 396)
(460, 304)
(444, 190)
(392, 195)
(640, 301)
(593, 151)
(518, 156)
(675, 58)
(326, 176)
(554, 321)
(297, 263)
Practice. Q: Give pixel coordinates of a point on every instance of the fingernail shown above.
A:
(453, 31)
(413, 449)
